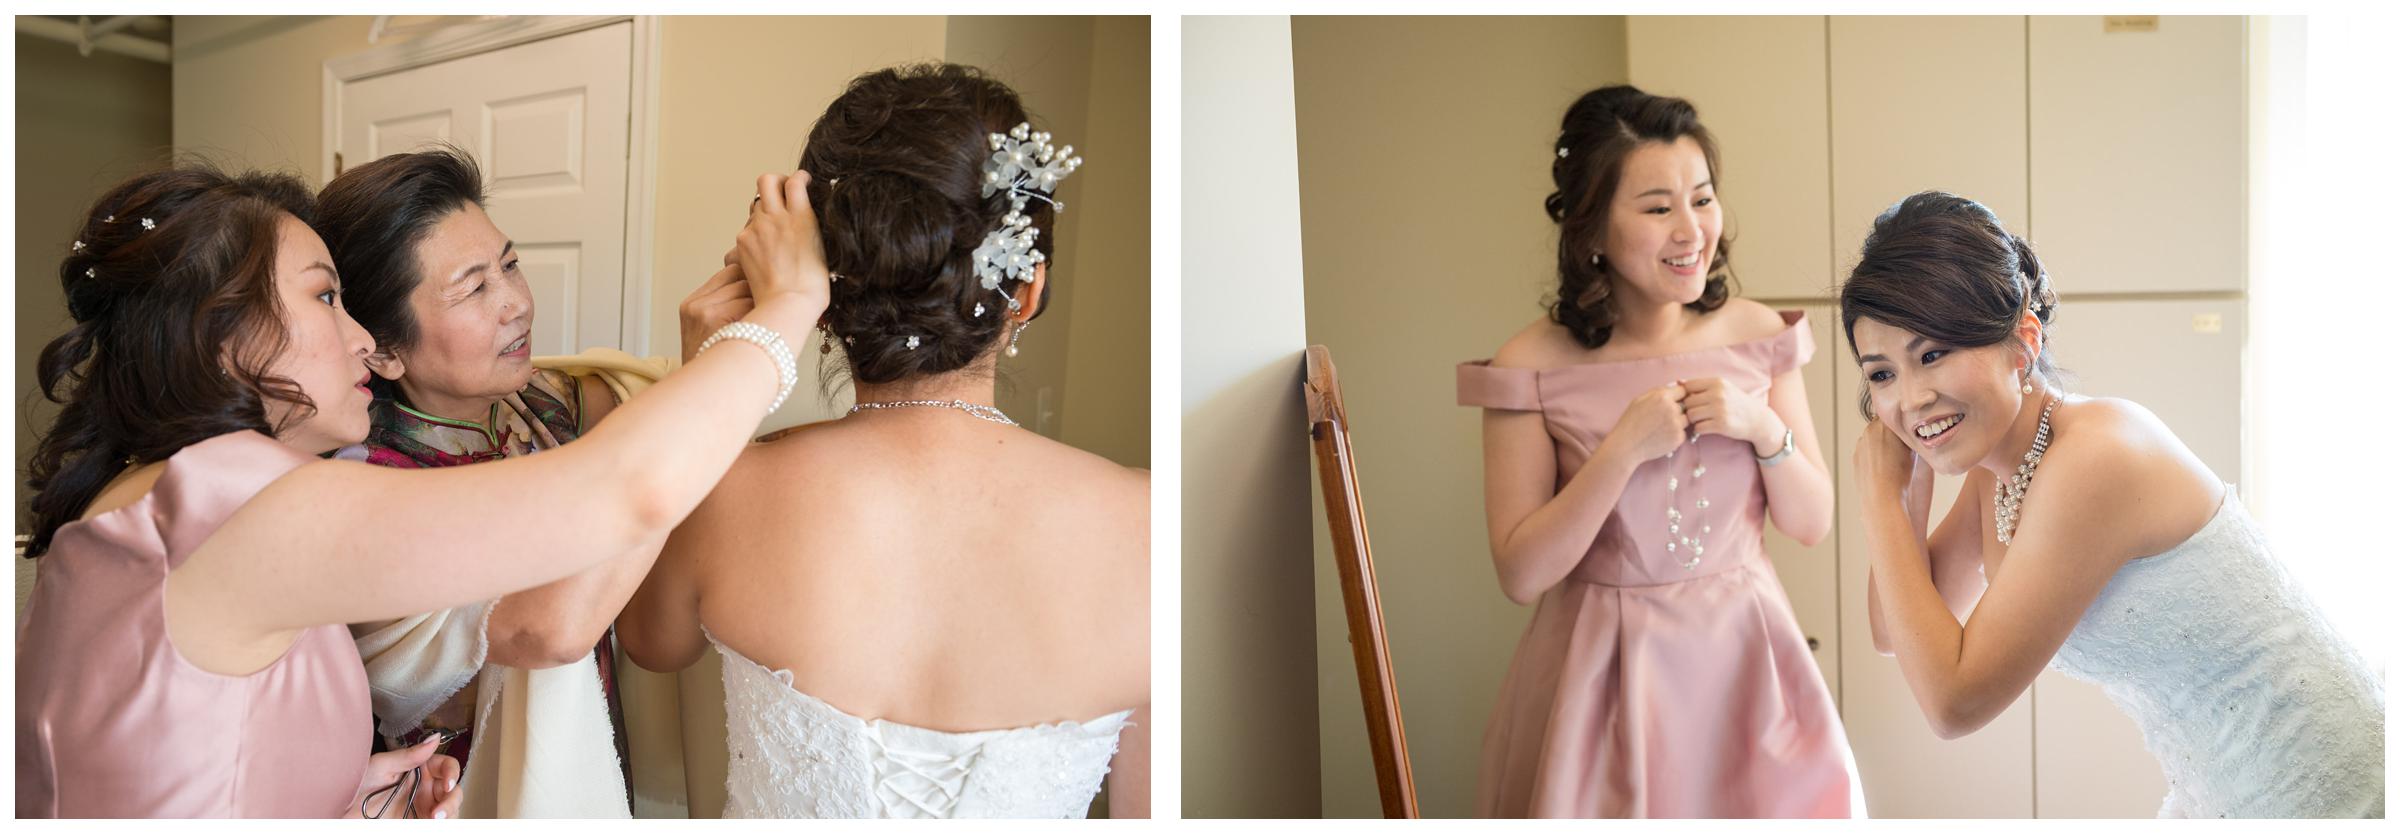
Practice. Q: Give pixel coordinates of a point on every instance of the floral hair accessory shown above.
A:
(1025, 165)
(147, 224)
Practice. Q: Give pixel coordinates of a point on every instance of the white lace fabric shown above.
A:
(795, 756)
(2252, 703)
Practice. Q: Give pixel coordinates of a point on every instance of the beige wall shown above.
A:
(1249, 657)
(736, 98)
(1427, 246)
(83, 124)
(249, 90)
(1086, 81)
(1111, 382)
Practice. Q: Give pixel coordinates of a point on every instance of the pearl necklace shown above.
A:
(2006, 497)
(981, 412)
(1675, 535)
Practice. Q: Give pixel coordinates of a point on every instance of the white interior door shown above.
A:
(548, 121)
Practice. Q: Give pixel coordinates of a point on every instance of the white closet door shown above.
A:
(1907, 770)
(1919, 103)
(2139, 153)
(1767, 112)
(1810, 576)
(1925, 103)
(548, 121)
(2182, 360)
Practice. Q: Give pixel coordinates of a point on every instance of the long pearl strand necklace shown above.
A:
(1690, 544)
(983, 412)
(2006, 496)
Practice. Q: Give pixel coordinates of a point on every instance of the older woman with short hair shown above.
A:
(441, 290)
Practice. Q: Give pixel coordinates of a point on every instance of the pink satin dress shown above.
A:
(1644, 688)
(113, 722)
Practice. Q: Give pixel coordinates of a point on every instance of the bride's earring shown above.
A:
(825, 347)
(2028, 388)
(1013, 338)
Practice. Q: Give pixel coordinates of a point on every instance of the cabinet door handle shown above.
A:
(1812, 644)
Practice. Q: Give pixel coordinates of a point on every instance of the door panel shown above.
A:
(548, 122)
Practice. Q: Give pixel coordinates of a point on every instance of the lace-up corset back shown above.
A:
(795, 756)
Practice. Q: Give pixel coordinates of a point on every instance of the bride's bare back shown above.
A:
(921, 566)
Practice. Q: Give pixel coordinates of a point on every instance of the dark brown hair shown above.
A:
(907, 146)
(1941, 266)
(171, 284)
(372, 218)
(1599, 131)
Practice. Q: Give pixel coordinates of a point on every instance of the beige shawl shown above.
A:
(543, 743)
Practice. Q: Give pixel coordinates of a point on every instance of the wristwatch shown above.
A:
(1780, 454)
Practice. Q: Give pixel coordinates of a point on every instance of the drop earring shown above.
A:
(2028, 387)
(1013, 338)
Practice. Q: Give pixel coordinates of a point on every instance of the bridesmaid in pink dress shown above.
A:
(1636, 442)
(185, 652)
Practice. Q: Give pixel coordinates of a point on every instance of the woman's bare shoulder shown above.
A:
(1540, 344)
(1746, 320)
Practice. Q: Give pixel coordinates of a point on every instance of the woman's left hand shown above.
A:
(1884, 464)
(436, 794)
(1714, 407)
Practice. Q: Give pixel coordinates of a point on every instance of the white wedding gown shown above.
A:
(2252, 703)
(793, 755)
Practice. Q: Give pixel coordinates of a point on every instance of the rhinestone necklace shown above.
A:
(2006, 497)
(1690, 544)
(981, 412)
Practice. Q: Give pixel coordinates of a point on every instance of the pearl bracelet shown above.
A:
(787, 368)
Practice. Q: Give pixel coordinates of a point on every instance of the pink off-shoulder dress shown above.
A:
(1644, 688)
(112, 721)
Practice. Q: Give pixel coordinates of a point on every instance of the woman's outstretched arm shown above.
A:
(302, 552)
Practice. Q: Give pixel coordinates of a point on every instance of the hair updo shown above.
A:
(896, 175)
(1941, 266)
(1600, 130)
(171, 285)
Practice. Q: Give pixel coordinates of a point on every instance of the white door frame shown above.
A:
(641, 142)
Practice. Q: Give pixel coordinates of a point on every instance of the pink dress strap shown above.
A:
(1793, 347)
(1510, 389)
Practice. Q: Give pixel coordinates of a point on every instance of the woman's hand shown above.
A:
(1652, 425)
(780, 252)
(723, 299)
(1884, 464)
(1714, 407)
(384, 790)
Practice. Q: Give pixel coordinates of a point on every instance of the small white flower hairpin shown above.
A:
(78, 246)
(979, 309)
(147, 225)
(109, 219)
(912, 343)
(1562, 153)
(91, 272)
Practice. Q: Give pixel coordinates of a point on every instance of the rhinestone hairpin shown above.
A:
(1024, 164)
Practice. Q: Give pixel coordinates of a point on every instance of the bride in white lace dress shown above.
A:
(924, 609)
(2109, 551)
